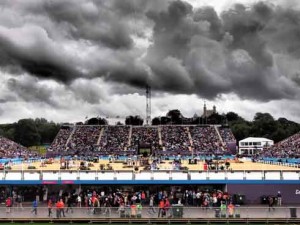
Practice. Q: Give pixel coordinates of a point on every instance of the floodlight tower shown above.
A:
(148, 104)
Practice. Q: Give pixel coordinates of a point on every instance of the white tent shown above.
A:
(253, 145)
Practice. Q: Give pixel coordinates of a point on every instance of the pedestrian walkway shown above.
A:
(188, 212)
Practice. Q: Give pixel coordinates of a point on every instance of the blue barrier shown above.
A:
(284, 160)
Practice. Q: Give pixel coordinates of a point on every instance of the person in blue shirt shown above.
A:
(34, 207)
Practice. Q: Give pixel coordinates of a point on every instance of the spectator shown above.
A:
(49, 205)
(279, 198)
(151, 208)
(271, 203)
(10, 149)
(146, 136)
(34, 207)
(8, 204)
(175, 139)
(205, 140)
(114, 140)
(161, 208)
(287, 148)
(58, 209)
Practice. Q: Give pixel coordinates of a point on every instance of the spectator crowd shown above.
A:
(145, 137)
(126, 140)
(287, 148)
(10, 149)
(114, 140)
(205, 140)
(175, 139)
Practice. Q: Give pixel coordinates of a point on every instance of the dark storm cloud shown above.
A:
(192, 50)
(31, 91)
(38, 58)
(90, 21)
(209, 14)
(231, 53)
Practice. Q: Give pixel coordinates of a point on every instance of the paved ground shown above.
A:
(193, 212)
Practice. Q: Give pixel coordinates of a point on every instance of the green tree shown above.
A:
(215, 118)
(232, 116)
(96, 121)
(26, 133)
(241, 130)
(156, 121)
(175, 116)
(264, 125)
(134, 120)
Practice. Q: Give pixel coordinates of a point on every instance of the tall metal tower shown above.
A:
(148, 105)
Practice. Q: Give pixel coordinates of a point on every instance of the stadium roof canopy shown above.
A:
(255, 139)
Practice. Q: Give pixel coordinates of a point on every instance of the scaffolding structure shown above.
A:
(148, 105)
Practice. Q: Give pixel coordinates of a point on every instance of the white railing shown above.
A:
(159, 175)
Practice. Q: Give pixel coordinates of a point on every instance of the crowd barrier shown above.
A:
(285, 160)
(280, 163)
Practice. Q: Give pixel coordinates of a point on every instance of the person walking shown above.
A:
(271, 203)
(161, 208)
(107, 209)
(49, 205)
(167, 208)
(69, 204)
(8, 204)
(62, 208)
(34, 207)
(19, 201)
(79, 201)
(230, 210)
(151, 208)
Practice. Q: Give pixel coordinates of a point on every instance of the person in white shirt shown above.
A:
(79, 201)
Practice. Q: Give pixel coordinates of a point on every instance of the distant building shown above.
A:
(253, 145)
(208, 112)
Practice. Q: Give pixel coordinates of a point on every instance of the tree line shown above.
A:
(30, 132)
(262, 125)
(39, 131)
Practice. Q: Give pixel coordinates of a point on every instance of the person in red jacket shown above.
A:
(8, 204)
(49, 207)
(161, 209)
(58, 206)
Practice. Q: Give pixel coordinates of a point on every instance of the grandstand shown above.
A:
(287, 148)
(115, 139)
(146, 137)
(10, 149)
(125, 140)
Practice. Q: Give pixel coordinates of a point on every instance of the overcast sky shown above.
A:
(64, 60)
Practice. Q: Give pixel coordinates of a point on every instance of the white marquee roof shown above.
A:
(255, 139)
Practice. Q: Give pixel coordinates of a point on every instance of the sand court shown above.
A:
(166, 165)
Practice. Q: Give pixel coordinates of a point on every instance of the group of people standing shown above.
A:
(273, 200)
(59, 205)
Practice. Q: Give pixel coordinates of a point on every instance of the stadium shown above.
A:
(108, 112)
(194, 167)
